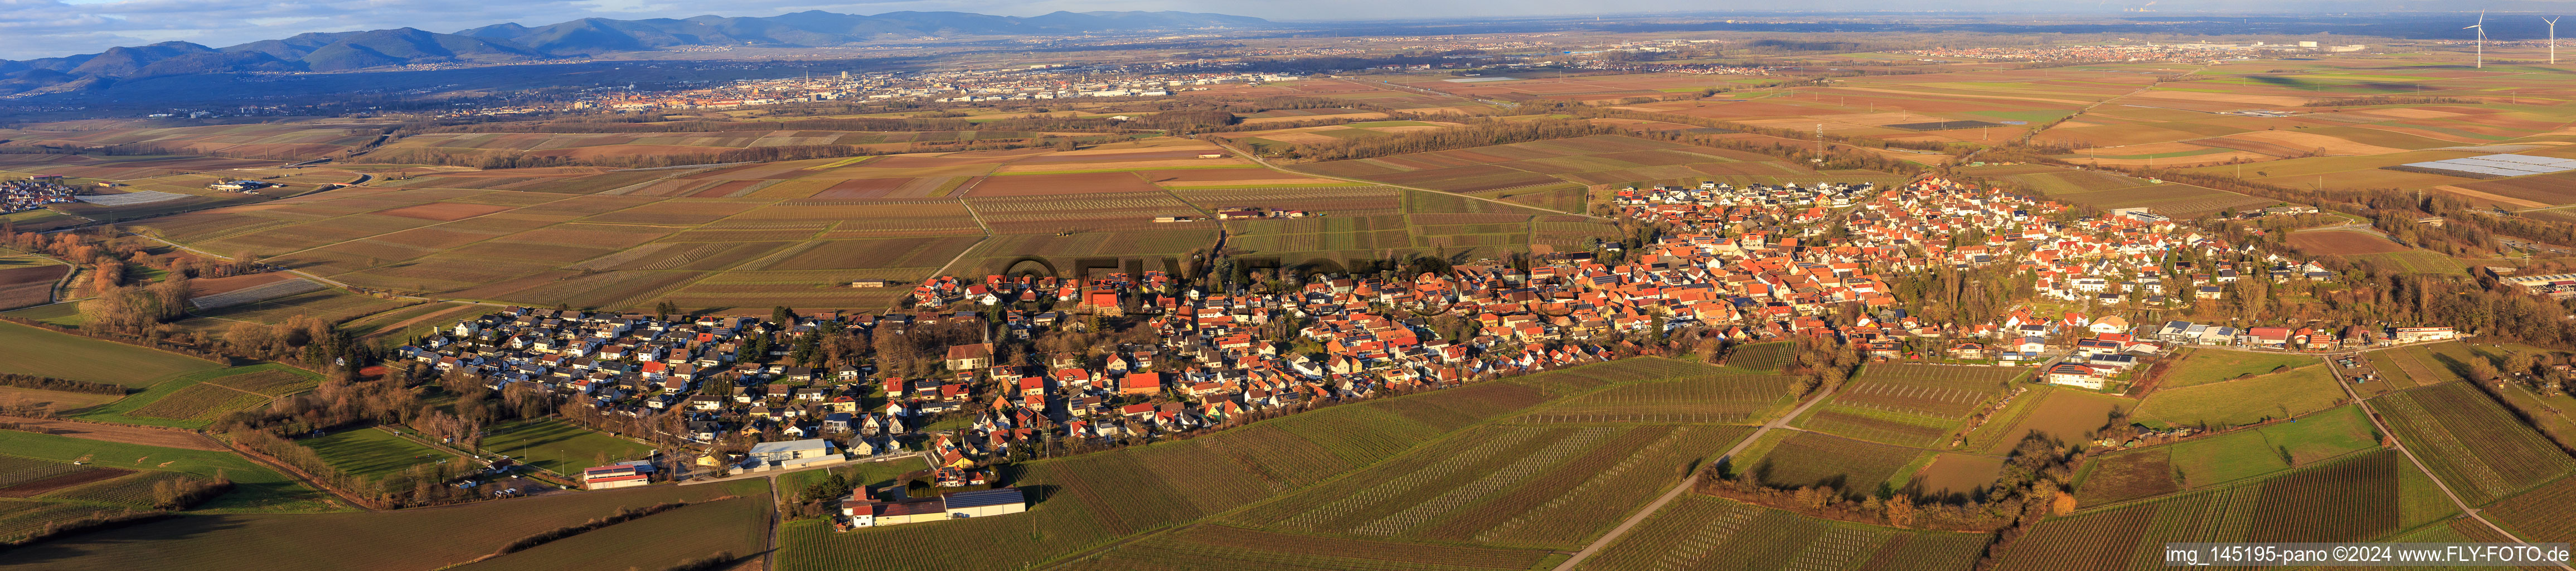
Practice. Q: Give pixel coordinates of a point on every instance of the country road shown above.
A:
(1688, 483)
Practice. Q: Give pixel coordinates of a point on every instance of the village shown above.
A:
(34, 193)
(1035, 82)
(757, 395)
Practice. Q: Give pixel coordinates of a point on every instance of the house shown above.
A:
(873, 514)
(2109, 325)
(2076, 375)
(970, 356)
(2268, 336)
(1141, 384)
(1970, 351)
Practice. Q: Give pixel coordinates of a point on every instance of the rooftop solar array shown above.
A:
(2500, 165)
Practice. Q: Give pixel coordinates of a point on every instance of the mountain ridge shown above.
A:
(510, 41)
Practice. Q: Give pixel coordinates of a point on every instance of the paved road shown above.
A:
(1687, 483)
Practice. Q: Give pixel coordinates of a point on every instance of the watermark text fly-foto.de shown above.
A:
(2364, 554)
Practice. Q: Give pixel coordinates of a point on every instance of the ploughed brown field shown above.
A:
(31, 489)
(2340, 242)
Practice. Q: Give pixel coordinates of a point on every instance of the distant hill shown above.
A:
(507, 42)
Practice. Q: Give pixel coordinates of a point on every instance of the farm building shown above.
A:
(792, 454)
(2423, 334)
(625, 475)
(980, 503)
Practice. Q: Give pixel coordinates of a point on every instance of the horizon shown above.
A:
(79, 27)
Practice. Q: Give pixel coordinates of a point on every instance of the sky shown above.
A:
(48, 28)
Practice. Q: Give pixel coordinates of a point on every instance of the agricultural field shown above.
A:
(731, 530)
(2228, 457)
(58, 401)
(1227, 547)
(198, 399)
(1909, 404)
(394, 538)
(2422, 365)
(559, 447)
(1087, 501)
(2247, 400)
(1525, 485)
(27, 279)
(1697, 531)
(256, 488)
(2107, 191)
(2063, 415)
(1724, 398)
(2204, 366)
(1856, 468)
(1594, 160)
(2474, 444)
(372, 453)
(2360, 497)
(31, 351)
(2343, 243)
(783, 233)
(294, 140)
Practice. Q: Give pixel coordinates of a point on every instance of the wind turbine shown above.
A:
(2482, 38)
(2553, 39)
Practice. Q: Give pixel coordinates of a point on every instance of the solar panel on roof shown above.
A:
(980, 498)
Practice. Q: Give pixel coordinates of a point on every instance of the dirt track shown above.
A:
(169, 438)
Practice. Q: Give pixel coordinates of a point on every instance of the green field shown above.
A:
(401, 539)
(198, 399)
(2203, 366)
(31, 351)
(2243, 401)
(372, 453)
(2213, 460)
(558, 446)
(255, 487)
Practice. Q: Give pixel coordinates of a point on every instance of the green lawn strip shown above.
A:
(32, 351)
(2203, 366)
(2242, 401)
(256, 488)
(371, 453)
(558, 446)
